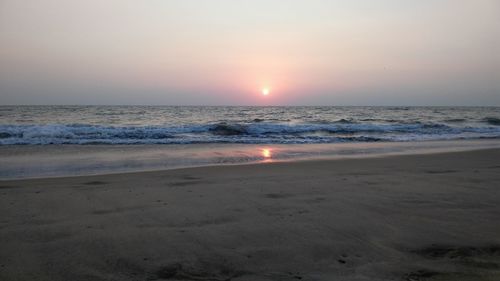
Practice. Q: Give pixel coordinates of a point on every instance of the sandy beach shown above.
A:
(412, 217)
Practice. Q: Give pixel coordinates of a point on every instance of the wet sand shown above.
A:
(413, 217)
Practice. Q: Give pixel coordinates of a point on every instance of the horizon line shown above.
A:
(221, 105)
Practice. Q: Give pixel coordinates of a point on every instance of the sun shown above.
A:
(265, 91)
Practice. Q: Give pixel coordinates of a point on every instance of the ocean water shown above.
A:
(128, 125)
(52, 141)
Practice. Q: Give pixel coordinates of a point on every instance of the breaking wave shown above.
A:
(258, 131)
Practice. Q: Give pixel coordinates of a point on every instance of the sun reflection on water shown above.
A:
(266, 154)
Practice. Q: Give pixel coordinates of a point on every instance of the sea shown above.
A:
(43, 141)
(128, 125)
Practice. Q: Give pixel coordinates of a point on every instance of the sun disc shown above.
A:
(265, 91)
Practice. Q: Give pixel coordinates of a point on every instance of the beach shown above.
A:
(249, 140)
(406, 217)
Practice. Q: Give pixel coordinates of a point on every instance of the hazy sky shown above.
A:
(223, 52)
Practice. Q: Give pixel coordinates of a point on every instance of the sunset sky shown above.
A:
(226, 52)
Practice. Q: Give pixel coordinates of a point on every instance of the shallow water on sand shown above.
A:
(32, 161)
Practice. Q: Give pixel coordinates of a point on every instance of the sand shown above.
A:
(417, 217)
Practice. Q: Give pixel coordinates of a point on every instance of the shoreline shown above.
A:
(37, 162)
(408, 217)
(324, 160)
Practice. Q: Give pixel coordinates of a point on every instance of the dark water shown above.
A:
(44, 125)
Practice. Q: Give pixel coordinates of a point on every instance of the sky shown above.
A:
(225, 52)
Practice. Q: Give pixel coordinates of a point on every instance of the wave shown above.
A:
(455, 120)
(228, 130)
(254, 132)
(492, 121)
